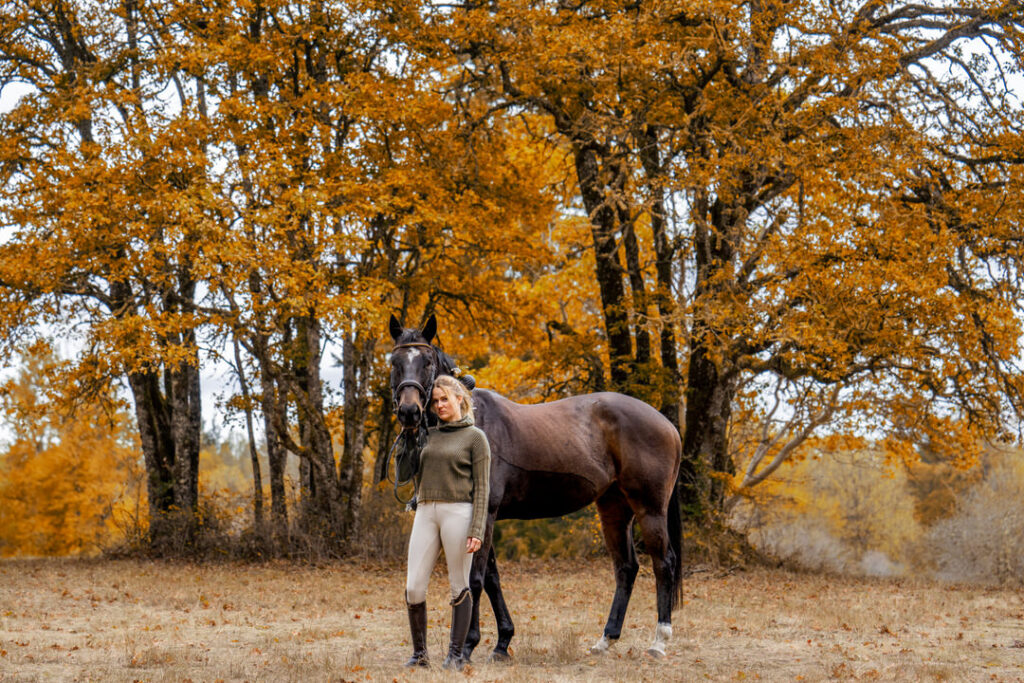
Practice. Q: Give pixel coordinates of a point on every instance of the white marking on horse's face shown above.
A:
(406, 361)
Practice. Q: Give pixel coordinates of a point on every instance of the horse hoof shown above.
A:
(500, 657)
(662, 634)
(456, 663)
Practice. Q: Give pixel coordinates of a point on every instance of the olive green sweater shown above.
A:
(455, 467)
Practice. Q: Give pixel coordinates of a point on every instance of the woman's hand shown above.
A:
(473, 544)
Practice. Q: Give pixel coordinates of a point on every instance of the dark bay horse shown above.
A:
(554, 458)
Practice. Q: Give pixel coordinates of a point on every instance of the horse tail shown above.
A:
(675, 539)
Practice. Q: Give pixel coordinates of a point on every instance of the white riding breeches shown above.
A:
(438, 525)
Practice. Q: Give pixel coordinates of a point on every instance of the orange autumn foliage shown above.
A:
(772, 221)
(70, 479)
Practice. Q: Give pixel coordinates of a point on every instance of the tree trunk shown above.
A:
(709, 397)
(183, 397)
(357, 356)
(157, 450)
(664, 255)
(640, 300)
(273, 415)
(608, 268)
(254, 458)
(710, 388)
(169, 428)
(186, 428)
(323, 514)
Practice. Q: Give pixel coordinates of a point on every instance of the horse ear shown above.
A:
(430, 329)
(395, 327)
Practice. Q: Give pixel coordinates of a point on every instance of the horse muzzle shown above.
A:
(410, 399)
(409, 414)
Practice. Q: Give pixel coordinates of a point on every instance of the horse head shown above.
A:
(414, 366)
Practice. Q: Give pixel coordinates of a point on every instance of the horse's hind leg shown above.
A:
(616, 523)
(656, 540)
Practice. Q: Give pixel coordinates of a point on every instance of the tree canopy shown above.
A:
(770, 220)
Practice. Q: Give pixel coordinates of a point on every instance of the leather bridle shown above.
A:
(412, 436)
(424, 391)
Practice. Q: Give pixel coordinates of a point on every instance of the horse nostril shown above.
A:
(408, 413)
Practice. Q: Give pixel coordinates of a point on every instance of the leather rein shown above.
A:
(414, 435)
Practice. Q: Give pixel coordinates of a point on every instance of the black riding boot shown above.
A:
(418, 628)
(462, 612)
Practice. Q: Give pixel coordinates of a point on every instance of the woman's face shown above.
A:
(445, 409)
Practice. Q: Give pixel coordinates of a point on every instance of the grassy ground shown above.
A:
(140, 621)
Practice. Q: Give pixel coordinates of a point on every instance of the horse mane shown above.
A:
(445, 362)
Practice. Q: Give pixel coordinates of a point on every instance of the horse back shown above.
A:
(552, 458)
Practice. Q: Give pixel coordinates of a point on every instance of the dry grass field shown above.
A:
(138, 621)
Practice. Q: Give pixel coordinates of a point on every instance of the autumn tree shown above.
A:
(571, 67)
(766, 220)
(831, 194)
(847, 511)
(277, 70)
(103, 165)
(346, 193)
(302, 181)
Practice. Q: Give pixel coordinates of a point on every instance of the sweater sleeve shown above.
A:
(481, 485)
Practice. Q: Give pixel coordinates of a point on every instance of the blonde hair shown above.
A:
(456, 392)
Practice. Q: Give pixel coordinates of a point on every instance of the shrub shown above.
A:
(385, 526)
(984, 541)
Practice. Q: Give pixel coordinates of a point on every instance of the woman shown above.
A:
(452, 487)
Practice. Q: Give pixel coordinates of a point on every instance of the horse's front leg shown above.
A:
(506, 629)
(483, 576)
(476, 585)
